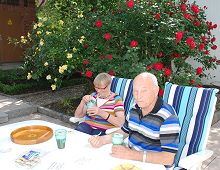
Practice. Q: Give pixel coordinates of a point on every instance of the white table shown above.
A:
(77, 155)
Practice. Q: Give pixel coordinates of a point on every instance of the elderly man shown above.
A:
(152, 126)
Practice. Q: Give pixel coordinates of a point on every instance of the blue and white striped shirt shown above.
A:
(157, 131)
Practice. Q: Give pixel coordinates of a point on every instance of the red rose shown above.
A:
(215, 26)
(214, 47)
(189, 40)
(98, 23)
(161, 92)
(206, 52)
(197, 23)
(183, 7)
(185, 0)
(111, 72)
(167, 72)
(176, 55)
(150, 67)
(133, 44)
(130, 4)
(198, 86)
(192, 81)
(160, 54)
(201, 46)
(89, 74)
(192, 45)
(158, 66)
(86, 46)
(157, 16)
(179, 36)
(86, 61)
(199, 70)
(195, 9)
(187, 16)
(213, 39)
(203, 38)
(107, 36)
(109, 57)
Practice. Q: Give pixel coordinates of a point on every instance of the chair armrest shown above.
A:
(195, 159)
(76, 119)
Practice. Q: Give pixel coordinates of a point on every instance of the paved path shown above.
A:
(18, 110)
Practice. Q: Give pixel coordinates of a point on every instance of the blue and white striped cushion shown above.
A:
(195, 108)
(124, 87)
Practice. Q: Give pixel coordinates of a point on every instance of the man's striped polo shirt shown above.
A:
(157, 131)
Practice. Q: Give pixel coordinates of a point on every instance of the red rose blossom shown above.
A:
(157, 16)
(107, 36)
(160, 54)
(197, 23)
(133, 44)
(109, 57)
(213, 39)
(167, 72)
(183, 7)
(201, 46)
(187, 16)
(199, 70)
(184, 0)
(130, 4)
(179, 36)
(198, 86)
(215, 26)
(176, 55)
(98, 23)
(192, 81)
(158, 66)
(111, 72)
(89, 74)
(192, 45)
(195, 9)
(161, 92)
(189, 40)
(206, 51)
(203, 38)
(86, 61)
(214, 47)
(86, 46)
(150, 67)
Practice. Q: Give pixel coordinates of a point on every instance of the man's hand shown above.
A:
(122, 152)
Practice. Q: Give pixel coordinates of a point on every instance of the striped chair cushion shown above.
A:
(195, 108)
(124, 87)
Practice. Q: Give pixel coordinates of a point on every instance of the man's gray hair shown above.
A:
(151, 76)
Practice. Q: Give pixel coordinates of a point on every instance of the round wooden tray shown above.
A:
(29, 135)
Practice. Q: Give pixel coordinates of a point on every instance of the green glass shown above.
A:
(60, 135)
(117, 139)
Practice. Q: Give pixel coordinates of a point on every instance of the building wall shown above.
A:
(213, 14)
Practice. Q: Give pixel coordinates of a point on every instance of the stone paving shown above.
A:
(15, 110)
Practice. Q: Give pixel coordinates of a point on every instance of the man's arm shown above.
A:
(122, 152)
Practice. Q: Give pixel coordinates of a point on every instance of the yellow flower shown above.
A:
(61, 22)
(69, 55)
(39, 24)
(29, 76)
(39, 32)
(47, 32)
(35, 26)
(81, 41)
(74, 49)
(41, 42)
(48, 77)
(46, 64)
(23, 40)
(62, 69)
(53, 86)
(82, 37)
(55, 79)
(80, 14)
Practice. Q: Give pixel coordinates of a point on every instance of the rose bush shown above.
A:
(122, 38)
(154, 36)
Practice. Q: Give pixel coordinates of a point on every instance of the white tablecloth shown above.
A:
(77, 155)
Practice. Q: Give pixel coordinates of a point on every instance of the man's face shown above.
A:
(144, 91)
